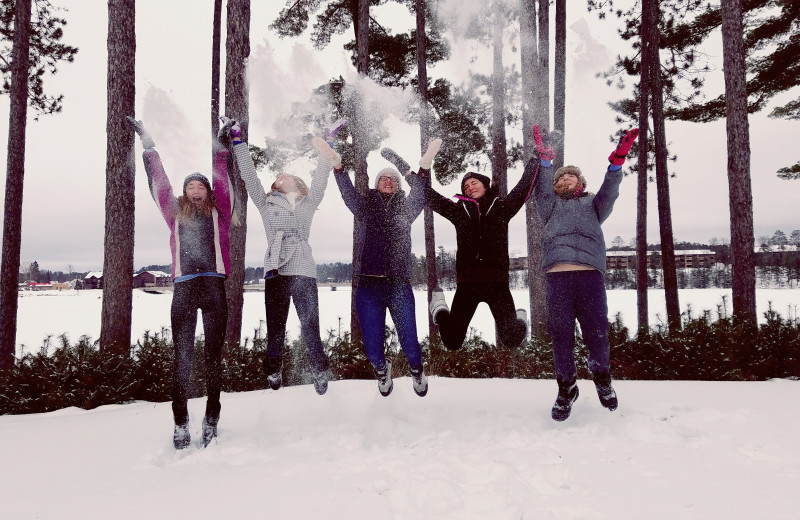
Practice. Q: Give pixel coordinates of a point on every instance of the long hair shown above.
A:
(189, 210)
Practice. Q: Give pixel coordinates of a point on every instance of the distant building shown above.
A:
(151, 279)
(627, 259)
(93, 280)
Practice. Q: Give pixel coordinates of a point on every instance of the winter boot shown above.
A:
(420, 381)
(438, 303)
(567, 393)
(275, 380)
(606, 393)
(321, 381)
(522, 315)
(384, 377)
(399, 163)
(181, 438)
(209, 429)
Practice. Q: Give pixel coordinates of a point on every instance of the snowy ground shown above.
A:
(78, 312)
(471, 449)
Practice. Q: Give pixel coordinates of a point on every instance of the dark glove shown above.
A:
(144, 136)
(391, 156)
(230, 132)
(543, 146)
(617, 157)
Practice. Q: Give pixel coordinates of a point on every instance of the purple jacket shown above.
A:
(161, 190)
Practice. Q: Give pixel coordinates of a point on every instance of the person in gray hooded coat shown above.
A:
(574, 260)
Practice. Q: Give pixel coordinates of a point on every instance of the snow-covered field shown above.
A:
(471, 449)
(78, 312)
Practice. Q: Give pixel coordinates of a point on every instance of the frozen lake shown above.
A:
(75, 313)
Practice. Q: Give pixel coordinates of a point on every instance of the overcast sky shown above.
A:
(64, 194)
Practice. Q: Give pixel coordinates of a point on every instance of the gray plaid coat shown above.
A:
(288, 252)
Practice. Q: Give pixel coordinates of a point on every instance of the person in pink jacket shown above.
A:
(198, 221)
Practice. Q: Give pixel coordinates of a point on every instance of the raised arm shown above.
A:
(354, 201)
(230, 134)
(157, 180)
(520, 193)
(328, 160)
(544, 196)
(223, 183)
(609, 190)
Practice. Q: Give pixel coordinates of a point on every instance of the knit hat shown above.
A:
(574, 170)
(196, 177)
(472, 175)
(387, 172)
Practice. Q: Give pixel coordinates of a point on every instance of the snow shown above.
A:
(471, 449)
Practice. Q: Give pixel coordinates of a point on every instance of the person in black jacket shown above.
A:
(481, 218)
(383, 266)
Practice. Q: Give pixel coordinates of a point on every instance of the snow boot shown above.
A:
(321, 381)
(391, 156)
(522, 315)
(420, 381)
(275, 380)
(438, 303)
(567, 394)
(209, 429)
(384, 377)
(606, 393)
(181, 438)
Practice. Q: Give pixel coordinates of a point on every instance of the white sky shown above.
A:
(65, 159)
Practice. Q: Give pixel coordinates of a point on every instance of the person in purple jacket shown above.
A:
(199, 221)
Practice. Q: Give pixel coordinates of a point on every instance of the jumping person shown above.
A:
(383, 265)
(289, 268)
(481, 219)
(574, 260)
(199, 221)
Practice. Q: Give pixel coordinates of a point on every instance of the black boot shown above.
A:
(181, 438)
(606, 393)
(209, 429)
(567, 393)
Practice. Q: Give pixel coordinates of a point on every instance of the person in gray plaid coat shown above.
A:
(289, 268)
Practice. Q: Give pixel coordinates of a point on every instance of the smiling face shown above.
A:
(196, 193)
(387, 184)
(474, 189)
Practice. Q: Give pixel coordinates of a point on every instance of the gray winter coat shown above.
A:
(287, 230)
(572, 232)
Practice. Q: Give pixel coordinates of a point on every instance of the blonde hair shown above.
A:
(302, 188)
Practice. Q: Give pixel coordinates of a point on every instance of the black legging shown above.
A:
(453, 325)
(206, 293)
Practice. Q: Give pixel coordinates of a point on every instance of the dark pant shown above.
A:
(453, 326)
(373, 297)
(206, 293)
(577, 295)
(278, 291)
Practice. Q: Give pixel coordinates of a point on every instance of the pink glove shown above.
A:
(617, 157)
(546, 152)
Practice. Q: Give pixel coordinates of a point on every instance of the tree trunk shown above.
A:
(662, 190)
(237, 51)
(741, 197)
(115, 319)
(499, 143)
(649, 58)
(15, 174)
(560, 80)
(216, 42)
(360, 150)
(532, 113)
(424, 137)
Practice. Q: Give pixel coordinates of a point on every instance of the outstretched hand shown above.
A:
(618, 156)
(426, 161)
(543, 146)
(144, 135)
(230, 132)
(324, 149)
